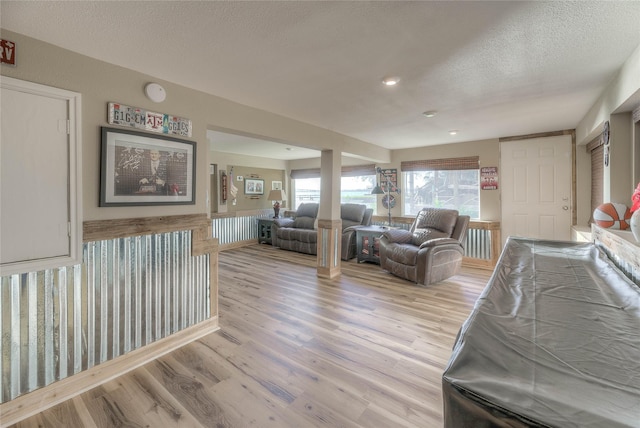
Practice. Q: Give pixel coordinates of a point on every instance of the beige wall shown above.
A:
(619, 97)
(617, 176)
(270, 169)
(625, 85)
(100, 83)
(253, 202)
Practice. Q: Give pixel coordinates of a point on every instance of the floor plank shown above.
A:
(366, 349)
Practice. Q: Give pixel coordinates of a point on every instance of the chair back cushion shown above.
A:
(306, 215)
(368, 215)
(432, 223)
(352, 214)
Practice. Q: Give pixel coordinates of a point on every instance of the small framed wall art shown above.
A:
(253, 186)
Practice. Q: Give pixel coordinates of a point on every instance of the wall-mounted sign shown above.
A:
(223, 187)
(392, 175)
(489, 178)
(120, 114)
(7, 52)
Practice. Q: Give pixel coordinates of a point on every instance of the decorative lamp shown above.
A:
(377, 190)
(277, 196)
(390, 202)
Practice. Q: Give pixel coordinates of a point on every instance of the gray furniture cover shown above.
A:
(553, 341)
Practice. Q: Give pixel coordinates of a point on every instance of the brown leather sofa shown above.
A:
(431, 251)
(299, 233)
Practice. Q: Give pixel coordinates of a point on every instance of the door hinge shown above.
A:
(69, 229)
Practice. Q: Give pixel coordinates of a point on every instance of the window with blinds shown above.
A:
(445, 183)
(596, 149)
(355, 186)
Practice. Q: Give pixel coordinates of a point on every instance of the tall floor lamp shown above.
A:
(378, 191)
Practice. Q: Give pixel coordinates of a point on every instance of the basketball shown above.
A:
(612, 216)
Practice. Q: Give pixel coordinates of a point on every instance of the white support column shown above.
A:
(329, 222)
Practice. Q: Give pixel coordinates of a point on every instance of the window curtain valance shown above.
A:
(358, 170)
(470, 162)
(347, 171)
(305, 173)
(595, 143)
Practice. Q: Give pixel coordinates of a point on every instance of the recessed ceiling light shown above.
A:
(453, 132)
(390, 81)
(430, 113)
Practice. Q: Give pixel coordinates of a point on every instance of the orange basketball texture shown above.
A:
(612, 215)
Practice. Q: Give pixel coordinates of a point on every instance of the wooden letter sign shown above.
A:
(7, 52)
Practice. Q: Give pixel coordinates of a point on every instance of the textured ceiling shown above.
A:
(490, 69)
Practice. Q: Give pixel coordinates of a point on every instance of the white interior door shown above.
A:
(35, 213)
(536, 188)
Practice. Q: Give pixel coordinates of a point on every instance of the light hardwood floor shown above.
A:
(364, 350)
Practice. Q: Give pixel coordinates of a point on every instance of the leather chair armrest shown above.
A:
(437, 242)
(348, 243)
(398, 236)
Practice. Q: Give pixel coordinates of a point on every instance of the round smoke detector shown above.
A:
(155, 92)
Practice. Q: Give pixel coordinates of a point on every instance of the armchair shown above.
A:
(431, 251)
(353, 216)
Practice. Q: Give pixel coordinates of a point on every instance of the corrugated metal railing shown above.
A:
(478, 244)
(234, 229)
(127, 293)
(628, 268)
(237, 229)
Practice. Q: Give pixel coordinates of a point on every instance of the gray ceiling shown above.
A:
(490, 69)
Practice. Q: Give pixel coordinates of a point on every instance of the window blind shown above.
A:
(347, 171)
(305, 173)
(596, 148)
(470, 162)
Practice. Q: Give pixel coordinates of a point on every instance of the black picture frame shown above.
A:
(129, 177)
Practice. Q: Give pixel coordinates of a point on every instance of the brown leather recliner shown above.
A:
(431, 251)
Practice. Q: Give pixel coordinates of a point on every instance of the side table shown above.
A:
(264, 230)
(368, 243)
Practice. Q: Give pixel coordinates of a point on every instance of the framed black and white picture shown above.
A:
(144, 169)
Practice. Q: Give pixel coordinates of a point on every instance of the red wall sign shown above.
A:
(489, 178)
(7, 52)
